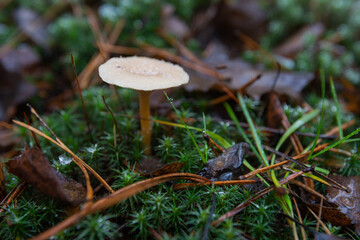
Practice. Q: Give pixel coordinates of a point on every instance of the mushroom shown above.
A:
(144, 75)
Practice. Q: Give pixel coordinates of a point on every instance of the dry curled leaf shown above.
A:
(33, 167)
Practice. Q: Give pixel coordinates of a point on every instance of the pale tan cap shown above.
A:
(142, 73)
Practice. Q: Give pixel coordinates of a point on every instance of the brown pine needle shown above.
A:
(217, 183)
(300, 219)
(89, 189)
(13, 195)
(327, 231)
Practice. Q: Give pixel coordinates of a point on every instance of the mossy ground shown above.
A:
(183, 213)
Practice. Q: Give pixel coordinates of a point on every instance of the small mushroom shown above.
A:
(144, 75)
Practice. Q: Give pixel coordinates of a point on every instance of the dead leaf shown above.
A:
(172, 24)
(7, 139)
(33, 167)
(14, 90)
(348, 202)
(238, 73)
(152, 166)
(296, 42)
(244, 16)
(16, 60)
(341, 208)
(275, 111)
(331, 213)
(33, 26)
(226, 166)
(173, 167)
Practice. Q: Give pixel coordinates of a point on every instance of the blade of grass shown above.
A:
(338, 113)
(221, 140)
(352, 140)
(284, 200)
(241, 130)
(243, 134)
(322, 79)
(297, 124)
(187, 129)
(337, 143)
(253, 130)
(206, 146)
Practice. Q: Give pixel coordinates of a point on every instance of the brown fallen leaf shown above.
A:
(246, 16)
(238, 73)
(33, 167)
(226, 166)
(296, 42)
(172, 24)
(348, 203)
(152, 166)
(341, 208)
(14, 89)
(33, 26)
(331, 214)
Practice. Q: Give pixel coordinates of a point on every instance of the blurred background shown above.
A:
(240, 38)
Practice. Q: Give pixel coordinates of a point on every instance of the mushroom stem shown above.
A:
(145, 123)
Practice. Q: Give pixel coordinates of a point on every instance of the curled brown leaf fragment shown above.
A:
(33, 167)
(153, 167)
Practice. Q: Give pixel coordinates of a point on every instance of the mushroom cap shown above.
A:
(142, 73)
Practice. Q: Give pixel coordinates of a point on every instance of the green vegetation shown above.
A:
(183, 214)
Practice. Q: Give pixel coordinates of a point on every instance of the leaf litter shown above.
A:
(207, 73)
(33, 167)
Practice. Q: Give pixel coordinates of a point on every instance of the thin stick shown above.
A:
(208, 138)
(307, 188)
(300, 219)
(320, 213)
(335, 184)
(260, 170)
(89, 189)
(327, 231)
(13, 194)
(210, 143)
(82, 99)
